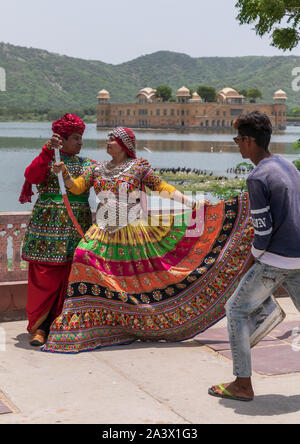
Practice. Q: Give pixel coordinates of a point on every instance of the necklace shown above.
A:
(111, 165)
(109, 171)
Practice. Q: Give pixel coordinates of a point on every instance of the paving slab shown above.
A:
(6, 406)
(277, 354)
(218, 339)
(4, 409)
(277, 360)
(152, 383)
(288, 332)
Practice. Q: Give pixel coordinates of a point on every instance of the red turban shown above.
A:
(68, 125)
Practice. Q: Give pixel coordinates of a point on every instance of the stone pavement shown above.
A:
(154, 383)
(274, 355)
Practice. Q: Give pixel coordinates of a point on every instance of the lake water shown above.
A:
(205, 150)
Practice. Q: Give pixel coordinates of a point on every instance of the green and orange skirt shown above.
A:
(153, 282)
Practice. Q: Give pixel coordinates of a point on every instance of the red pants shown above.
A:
(47, 287)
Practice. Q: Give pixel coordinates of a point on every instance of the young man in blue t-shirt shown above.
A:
(274, 193)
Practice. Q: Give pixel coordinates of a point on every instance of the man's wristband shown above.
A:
(48, 145)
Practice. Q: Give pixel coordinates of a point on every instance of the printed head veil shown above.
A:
(126, 139)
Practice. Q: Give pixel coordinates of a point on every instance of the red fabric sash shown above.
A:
(72, 216)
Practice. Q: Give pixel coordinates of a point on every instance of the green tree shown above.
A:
(89, 111)
(297, 161)
(243, 92)
(254, 94)
(207, 93)
(191, 91)
(267, 15)
(55, 114)
(297, 147)
(77, 112)
(164, 92)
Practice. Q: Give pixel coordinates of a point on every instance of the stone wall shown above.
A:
(13, 272)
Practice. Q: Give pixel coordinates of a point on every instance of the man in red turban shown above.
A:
(51, 238)
(65, 127)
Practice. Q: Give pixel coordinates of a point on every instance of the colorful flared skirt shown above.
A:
(153, 282)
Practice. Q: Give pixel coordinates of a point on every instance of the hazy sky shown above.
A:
(115, 31)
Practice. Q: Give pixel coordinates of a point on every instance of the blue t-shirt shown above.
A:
(274, 192)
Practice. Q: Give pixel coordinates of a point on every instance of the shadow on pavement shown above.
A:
(135, 345)
(23, 342)
(265, 405)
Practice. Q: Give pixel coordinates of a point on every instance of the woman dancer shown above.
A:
(149, 279)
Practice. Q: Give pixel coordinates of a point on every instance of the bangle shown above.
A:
(66, 175)
(191, 203)
(48, 144)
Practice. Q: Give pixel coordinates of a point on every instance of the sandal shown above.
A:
(38, 338)
(227, 394)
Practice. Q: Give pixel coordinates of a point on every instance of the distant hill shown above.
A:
(40, 79)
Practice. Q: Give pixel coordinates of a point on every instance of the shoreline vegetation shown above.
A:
(88, 115)
(222, 187)
(226, 186)
(18, 114)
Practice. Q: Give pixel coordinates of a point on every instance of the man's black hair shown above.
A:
(256, 125)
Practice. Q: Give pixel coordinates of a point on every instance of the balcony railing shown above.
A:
(12, 229)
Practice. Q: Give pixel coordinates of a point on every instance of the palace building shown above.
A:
(187, 112)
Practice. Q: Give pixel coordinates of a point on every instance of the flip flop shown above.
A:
(227, 394)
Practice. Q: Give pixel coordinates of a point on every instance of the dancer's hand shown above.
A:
(201, 203)
(55, 142)
(59, 167)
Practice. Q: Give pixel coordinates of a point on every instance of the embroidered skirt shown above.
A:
(153, 282)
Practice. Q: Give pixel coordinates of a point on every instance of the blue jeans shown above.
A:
(255, 287)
